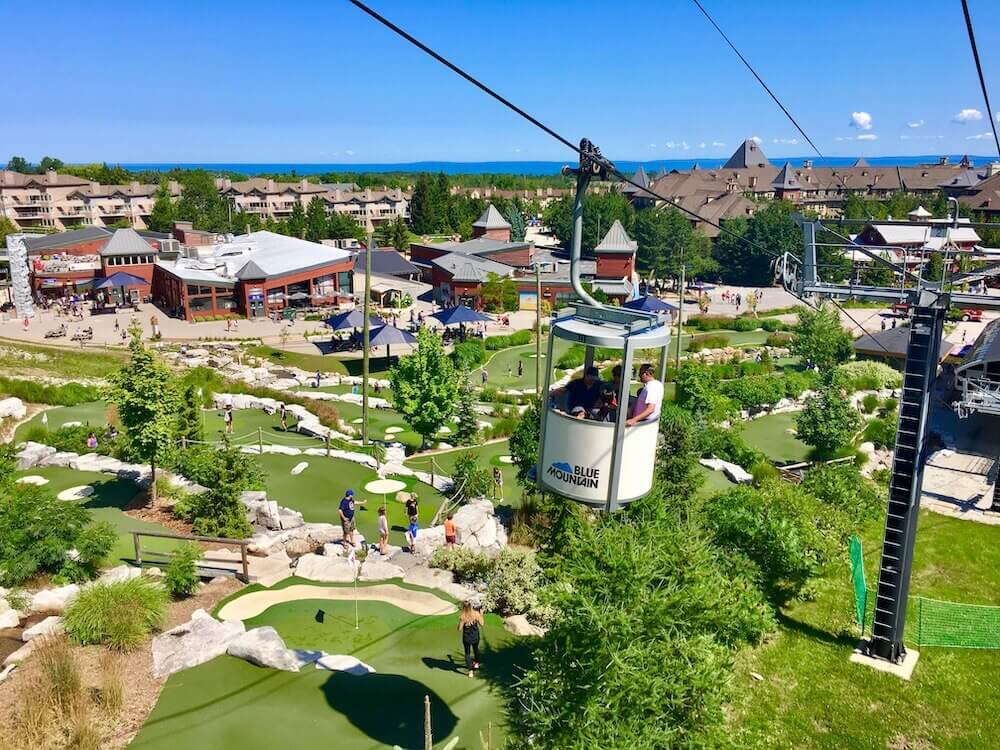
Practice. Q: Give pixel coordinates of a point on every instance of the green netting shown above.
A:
(858, 581)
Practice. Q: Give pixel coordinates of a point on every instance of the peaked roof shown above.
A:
(126, 242)
(64, 239)
(617, 241)
(491, 219)
(470, 268)
(640, 177)
(786, 179)
(861, 162)
(747, 155)
(662, 173)
(920, 213)
(386, 262)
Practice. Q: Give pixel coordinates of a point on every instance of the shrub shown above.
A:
(869, 403)
(881, 431)
(512, 588)
(728, 445)
(468, 354)
(519, 338)
(772, 324)
(798, 381)
(469, 566)
(501, 428)
(73, 439)
(697, 390)
(118, 615)
(828, 421)
(62, 673)
(469, 477)
(843, 488)
(763, 472)
(780, 340)
(744, 325)
(36, 532)
(68, 394)
(710, 322)
(701, 343)
(181, 576)
(755, 391)
(868, 375)
(890, 404)
(227, 473)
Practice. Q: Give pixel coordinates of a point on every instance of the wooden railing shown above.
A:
(241, 543)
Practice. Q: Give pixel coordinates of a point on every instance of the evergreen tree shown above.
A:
(316, 224)
(442, 197)
(190, 428)
(467, 429)
(341, 226)
(395, 234)
(145, 393)
(163, 215)
(6, 227)
(423, 206)
(599, 213)
(425, 386)
(296, 222)
(516, 221)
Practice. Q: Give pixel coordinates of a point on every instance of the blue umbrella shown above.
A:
(352, 319)
(121, 279)
(650, 304)
(389, 334)
(461, 314)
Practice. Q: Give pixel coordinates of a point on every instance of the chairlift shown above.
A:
(602, 464)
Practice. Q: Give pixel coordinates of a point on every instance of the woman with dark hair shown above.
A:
(469, 623)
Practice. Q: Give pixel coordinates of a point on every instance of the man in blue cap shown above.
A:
(346, 511)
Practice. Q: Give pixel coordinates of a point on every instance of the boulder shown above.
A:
(32, 454)
(325, 569)
(867, 448)
(299, 468)
(5, 673)
(519, 625)
(429, 540)
(432, 578)
(47, 626)
(9, 619)
(265, 648)
(379, 570)
(119, 574)
(61, 458)
(195, 642)
(54, 601)
(472, 517)
(20, 655)
(343, 663)
(12, 407)
(333, 549)
(311, 535)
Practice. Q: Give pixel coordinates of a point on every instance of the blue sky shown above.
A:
(317, 81)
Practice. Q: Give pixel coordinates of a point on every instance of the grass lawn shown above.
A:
(246, 422)
(769, 435)
(714, 482)
(317, 491)
(488, 455)
(110, 496)
(231, 703)
(498, 363)
(70, 363)
(811, 697)
(307, 362)
(94, 413)
(379, 420)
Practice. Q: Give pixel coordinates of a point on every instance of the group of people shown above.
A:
(591, 398)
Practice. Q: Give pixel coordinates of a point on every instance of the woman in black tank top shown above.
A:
(469, 622)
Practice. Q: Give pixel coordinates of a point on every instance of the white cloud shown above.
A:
(757, 139)
(862, 137)
(905, 137)
(701, 145)
(980, 137)
(718, 144)
(517, 150)
(915, 124)
(967, 115)
(670, 144)
(349, 152)
(861, 120)
(652, 145)
(684, 145)
(791, 141)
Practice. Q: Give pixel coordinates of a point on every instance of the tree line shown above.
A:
(435, 209)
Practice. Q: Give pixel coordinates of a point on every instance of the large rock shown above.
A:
(379, 570)
(54, 601)
(344, 663)
(119, 574)
(429, 540)
(32, 454)
(325, 568)
(9, 619)
(432, 578)
(20, 655)
(519, 625)
(195, 642)
(47, 626)
(12, 407)
(265, 648)
(311, 535)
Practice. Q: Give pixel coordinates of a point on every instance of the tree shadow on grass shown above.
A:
(389, 708)
(816, 634)
(111, 493)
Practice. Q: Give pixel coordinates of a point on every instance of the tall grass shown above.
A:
(118, 615)
(34, 392)
(62, 673)
(112, 691)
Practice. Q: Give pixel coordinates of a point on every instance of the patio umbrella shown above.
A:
(386, 335)
(650, 304)
(299, 295)
(352, 319)
(461, 314)
(121, 279)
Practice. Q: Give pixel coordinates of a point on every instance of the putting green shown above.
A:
(770, 435)
(489, 457)
(92, 413)
(247, 422)
(231, 703)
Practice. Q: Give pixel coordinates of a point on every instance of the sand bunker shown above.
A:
(506, 459)
(393, 430)
(76, 493)
(33, 479)
(416, 602)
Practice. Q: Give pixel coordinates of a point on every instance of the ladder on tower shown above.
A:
(905, 485)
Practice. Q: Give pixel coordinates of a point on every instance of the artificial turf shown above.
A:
(231, 703)
(489, 457)
(770, 435)
(92, 413)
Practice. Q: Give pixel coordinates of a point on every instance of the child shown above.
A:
(411, 533)
(92, 441)
(283, 415)
(227, 417)
(450, 532)
(383, 531)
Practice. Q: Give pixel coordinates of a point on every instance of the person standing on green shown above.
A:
(346, 511)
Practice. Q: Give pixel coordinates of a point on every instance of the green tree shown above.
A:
(6, 227)
(697, 391)
(499, 293)
(190, 427)
(829, 421)
(146, 395)
(730, 248)
(599, 213)
(770, 232)
(423, 206)
(342, 226)
(201, 203)
(20, 164)
(934, 268)
(425, 386)
(524, 440)
(467, 429)
(315, 220)
(180, 579)
(395, 234)
(227, 473)
(49, 162)
(666, 239)
(163, 215)
(442, 197)
(295, 225)
(820, 339)
(516, 221)
(677, 454)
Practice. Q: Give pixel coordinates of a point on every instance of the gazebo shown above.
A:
(123, 281)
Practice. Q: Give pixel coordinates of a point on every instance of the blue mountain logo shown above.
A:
(563, 466)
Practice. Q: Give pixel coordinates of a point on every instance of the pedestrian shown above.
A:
(484, 376)
(283, 416)
(450, 532)
(520, 368)
(227, 418)
(346, 511)
(498, 482)
(25, 323)
(411, 506)
(383, 531)
(893, 322)
(318, 378)
(510, 371)
(116, 324)
(92, 441)
(883, 324)
(469, 623)
(411, 533)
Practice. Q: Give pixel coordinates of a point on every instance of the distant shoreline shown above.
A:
(528, 167)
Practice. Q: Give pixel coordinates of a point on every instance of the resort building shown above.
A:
(253, 275)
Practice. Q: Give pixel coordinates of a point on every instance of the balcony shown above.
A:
(31, 212)
(115, 211)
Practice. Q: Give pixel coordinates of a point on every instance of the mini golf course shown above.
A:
(489, 456)
(771, 436)
(228, 702)
(92, 413)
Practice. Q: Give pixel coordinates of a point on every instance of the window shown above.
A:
(345, 281)
(197, 289)
(325, 286)
(225, 302)
(200, 304)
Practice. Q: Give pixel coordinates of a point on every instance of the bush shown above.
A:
(828, 421)
(798, 381)
(869, 403)
(68, 394)
(512, 588)
(779, 340)
(843, 488)
(728, 445)
(62, 674)
(469, 566)
(890, 404)
(744, 325)
(470, 479)
(118, 615)
(501, 428)
(755, 391)
(496, 343)
(772, 324)
(881, 431)
(181, 576)
(763, 472)
(37, 531)
(227, 473)
(468, 354)
(868, 375)
(701, 343)
(74, 439)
